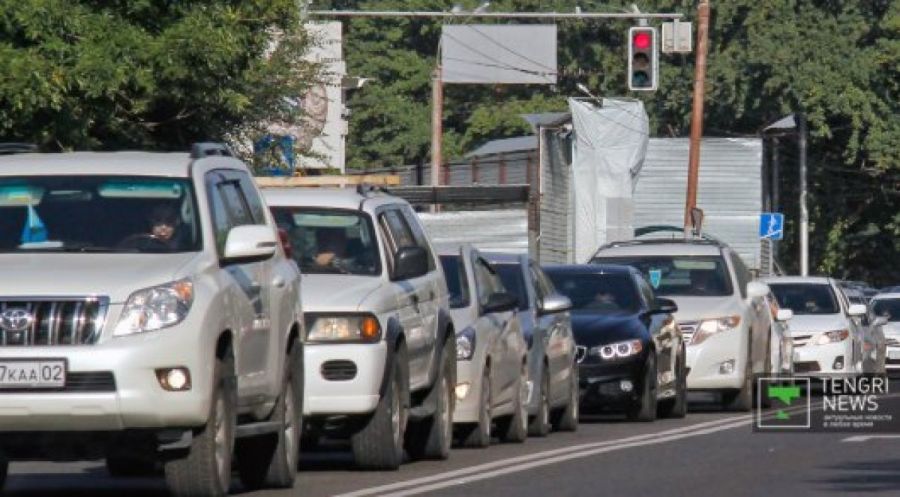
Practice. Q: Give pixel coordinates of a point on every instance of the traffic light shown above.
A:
(643, 59)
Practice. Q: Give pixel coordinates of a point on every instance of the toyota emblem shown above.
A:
(15, 320)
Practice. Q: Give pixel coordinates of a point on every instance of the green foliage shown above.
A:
(145, 74)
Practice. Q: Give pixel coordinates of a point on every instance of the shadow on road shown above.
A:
(867, 477)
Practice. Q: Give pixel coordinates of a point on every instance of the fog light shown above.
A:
(626, 386)
(174, 379)
(838, 363)
(462, 389)
(727, 367)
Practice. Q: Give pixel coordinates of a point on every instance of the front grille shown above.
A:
(93, 382)
(339, 370)
(41, 322)
(687, 330)
(806, 367)
(801, 339)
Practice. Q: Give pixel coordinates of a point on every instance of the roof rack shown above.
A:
(210, 149)
(17, 148)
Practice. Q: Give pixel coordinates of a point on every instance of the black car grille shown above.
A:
(42, 322)
(339, 370)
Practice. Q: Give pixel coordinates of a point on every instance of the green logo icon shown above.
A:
(786, 395)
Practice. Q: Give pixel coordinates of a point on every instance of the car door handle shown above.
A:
(279, 282)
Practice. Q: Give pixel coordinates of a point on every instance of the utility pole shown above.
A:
(437, 125)
(697, 113)
(804, 212)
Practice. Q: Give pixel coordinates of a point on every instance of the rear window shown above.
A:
(597, 293)
(705, 276)
(887, 307)
(514, 282)
(457, 284)
(806, 298)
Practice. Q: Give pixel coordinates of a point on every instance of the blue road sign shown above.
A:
(771, 225)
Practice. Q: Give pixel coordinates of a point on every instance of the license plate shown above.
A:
(33, 374)
(894, 354)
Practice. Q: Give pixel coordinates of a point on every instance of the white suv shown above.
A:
(145, 308)
(380, 348)
(722, 315)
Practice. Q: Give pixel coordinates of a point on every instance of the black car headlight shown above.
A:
(617, 350)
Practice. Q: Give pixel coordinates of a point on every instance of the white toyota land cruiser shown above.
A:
(380, 349)
(149, 316)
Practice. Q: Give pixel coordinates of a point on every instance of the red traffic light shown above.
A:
(642, 40)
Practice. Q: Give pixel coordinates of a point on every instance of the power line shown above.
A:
(496, 15)
(507, 49)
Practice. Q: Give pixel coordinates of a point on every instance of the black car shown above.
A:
(631, 353)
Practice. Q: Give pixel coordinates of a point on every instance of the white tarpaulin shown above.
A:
(610, 145)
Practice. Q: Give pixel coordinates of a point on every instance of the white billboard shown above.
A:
(499, 54)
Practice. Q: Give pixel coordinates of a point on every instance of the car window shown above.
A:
(331, 240)
(254, 203)
(221, 219)
(400, 233)
(699, 276)
(597, 293)
(98, 213)
(419, 234)
(887, 307)
(487, 282)
(806, 298)
(457, 284)
(514, 281)
(235, 203)
(544, 283)
(646, 292)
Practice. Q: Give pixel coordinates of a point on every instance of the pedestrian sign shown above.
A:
(771, 225)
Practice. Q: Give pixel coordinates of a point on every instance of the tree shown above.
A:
(96, 75)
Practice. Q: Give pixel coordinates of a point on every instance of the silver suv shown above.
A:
(148, 315)
(380, 352)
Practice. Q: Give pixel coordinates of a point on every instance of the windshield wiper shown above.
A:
(85, 248)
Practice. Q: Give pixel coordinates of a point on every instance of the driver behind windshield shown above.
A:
(163, 224)
(335, 251)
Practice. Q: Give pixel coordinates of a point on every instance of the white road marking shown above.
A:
(863, 438)
(520, 463)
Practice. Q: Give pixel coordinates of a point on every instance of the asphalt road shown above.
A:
(709, 453)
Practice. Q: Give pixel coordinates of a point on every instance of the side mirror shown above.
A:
(664, 306)
(410, 262)
(784, 315)
(856, 310)
(757, 290)
(500, 302)
(880, 321)
(553, 304)
(250, 243)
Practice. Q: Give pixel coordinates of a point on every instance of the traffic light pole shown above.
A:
(697, 113)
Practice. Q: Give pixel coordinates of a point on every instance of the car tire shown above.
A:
(540, 425)
(742, 400)
(379, 444)
(677, 407)
(644, 408)
(760, 397)
(206, 468)
(479, 436)
(514, 429)
(433, 437)
(567, 419)
(271, 461)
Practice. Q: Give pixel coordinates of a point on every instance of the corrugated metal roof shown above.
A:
(505, 145)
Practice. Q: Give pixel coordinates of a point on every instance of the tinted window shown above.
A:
(887, 307)
(486, 281)
(597, 293)
(680, 275)
(331, 241)
(400, 233)
(514, 282)
(257, 208)
(235, 203)
(457, 284)
(806, 298)
(98, 214)
(419, 234)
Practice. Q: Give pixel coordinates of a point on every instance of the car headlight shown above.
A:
(618, 350)
(832, 337)
(465, 344)
(156, 308)
(345, 328)
(710, 327)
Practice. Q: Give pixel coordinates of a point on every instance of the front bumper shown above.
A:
(601, 383)
(358, 395)
(719, 362)
(819, 360)
(468, 378)
(136, 401)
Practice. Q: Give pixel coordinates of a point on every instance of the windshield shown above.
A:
(887, 307)
(680, 275)
(514, 282)
(457, 284)
(330, 241)
(806, 298)
(597, 293)
(98, 214)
